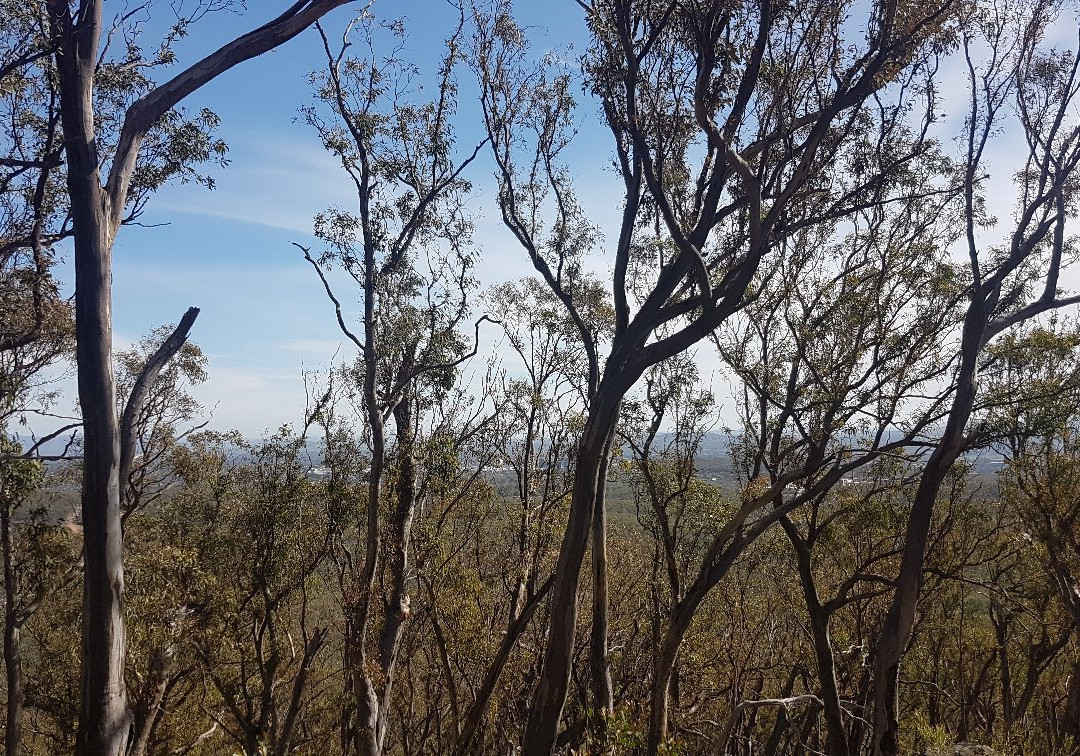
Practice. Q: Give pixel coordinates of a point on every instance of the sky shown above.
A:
(265, 319)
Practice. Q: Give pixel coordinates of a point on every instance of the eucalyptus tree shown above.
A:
(39, 558)
(407, 248)
(833, 357)
(732, 126)
(157, 410)
(151, 144)
(32, 210)
(1019, 81)
(537, 395)
(1030, 394)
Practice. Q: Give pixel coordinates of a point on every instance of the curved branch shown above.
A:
(147, 110)
(139, 392)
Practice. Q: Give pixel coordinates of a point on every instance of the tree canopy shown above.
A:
(520, 515)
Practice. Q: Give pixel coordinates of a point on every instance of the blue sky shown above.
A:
(229, 251)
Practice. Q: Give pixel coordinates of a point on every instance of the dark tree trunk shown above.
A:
(836, 739)
(896, 630)
(543, 725)
(12, 649)
(397, 606)
(603, 695)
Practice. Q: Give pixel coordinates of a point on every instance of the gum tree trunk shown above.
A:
(543, 725)
(896, 630)
(12, 649)
(97, 210)
(603, 695)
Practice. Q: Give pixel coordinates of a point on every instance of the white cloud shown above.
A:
(251, 400)
(318, 348)
(279, 181)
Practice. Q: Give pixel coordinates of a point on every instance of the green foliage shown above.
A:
(1032, 382)
(17, 477)
(246, 577)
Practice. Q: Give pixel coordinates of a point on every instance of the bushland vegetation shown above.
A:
(567, 548)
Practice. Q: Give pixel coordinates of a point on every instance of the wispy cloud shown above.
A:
(251, 400)
(316, 347)
(228, 210)
(280, 181)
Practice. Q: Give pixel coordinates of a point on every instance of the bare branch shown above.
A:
(141, 389)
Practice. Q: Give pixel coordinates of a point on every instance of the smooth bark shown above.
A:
(137, 399)
(543, 725)
(603, 696)
(97, 211)
(16, 693)
(835, 737)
